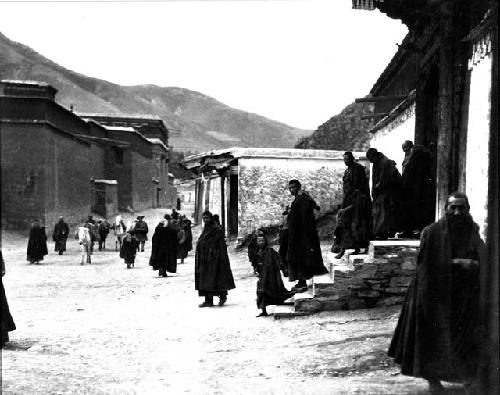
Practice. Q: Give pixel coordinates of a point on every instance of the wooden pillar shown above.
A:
(445, 166)
(222, 175)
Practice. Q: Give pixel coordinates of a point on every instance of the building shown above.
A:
(441, 90)
(54, 162)
(248, 187)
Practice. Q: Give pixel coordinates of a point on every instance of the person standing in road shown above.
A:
(128, 249)
(60, 235)
(303, 253)
(438, 333)
(213, 276)
(7, 322)
(141, 232)
(37, 243)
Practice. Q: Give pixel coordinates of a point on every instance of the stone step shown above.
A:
(284, 311)
(358, 259)
(380, 248)
(323, 285)
(305, 302)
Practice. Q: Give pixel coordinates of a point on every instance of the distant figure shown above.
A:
(303, 254)
(119, 231)
(175, 214)
(84, 238)
(60, 235)
(213, 276)
(437, 336)
(37, 243)
(270, 287)
(103, 230)
(141, 232)
(94, 235)
(417, 210)
(8, 324)
(252, 251)
(217, 219)
(354, 216)
(178, 203)
(386, 191)
(185, 239)
(164, 257)
(128, 249)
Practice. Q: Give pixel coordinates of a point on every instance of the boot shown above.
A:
(340, 254)
(209, 302)
(222, 300)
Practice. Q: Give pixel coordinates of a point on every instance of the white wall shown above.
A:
(478, 131)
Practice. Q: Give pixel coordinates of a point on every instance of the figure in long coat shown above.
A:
(60, 235)
(213, 275)
(164, 248)
(141, 232)
(37, 243)
(437, 336)
(386, 194)
(303, 254)
(185, 239)
(7, 322)
(417, 188)
(354, 217)
(270, 287)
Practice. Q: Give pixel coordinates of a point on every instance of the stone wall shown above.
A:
(263, 187)
(381, 280)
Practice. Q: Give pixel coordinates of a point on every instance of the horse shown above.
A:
(85, 240)
(119, 231)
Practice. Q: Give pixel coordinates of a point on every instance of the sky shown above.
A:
(295, 61)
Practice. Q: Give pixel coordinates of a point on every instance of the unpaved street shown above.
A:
(103, 329)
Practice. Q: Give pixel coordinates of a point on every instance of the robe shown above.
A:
(386, 191)
(417, 184)
(270, 288)
(7, 322)
(186, 241)
(141, 230)
(303, 252)
(164, 250)
(354, 221)
(60, 235)
(438, 332)
(212, 270)
(128, 250)
(37, 244)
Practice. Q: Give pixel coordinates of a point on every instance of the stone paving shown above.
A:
(103, 329)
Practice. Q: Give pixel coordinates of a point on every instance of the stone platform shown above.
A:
(377, 279)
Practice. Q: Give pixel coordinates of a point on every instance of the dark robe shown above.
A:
(7, 323)
(212, 270)
(185, 241)
(417, 188)
(437, 335)
(270, 288)
(37, 244)
(60, 235)
(164, 250)
(354, 228)
(354, 221)
(252, 251)
(303, 254)
(386, 191)
(128, 250)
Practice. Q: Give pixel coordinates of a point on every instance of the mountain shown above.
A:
(196, 122)
(344, 131)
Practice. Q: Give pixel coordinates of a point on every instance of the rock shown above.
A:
(390, 301)
(400, 282)
(355, 304)
(396, 290)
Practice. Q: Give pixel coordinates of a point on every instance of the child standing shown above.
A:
(128, 249)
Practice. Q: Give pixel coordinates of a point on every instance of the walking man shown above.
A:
(303, 253)
(437, 336)
(212, 270)
(60, 235)
(141, 232)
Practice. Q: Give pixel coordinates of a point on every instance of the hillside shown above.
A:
(197, 122)
(344, 131)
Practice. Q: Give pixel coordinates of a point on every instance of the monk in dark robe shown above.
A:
(164, 249)
(303, 254)
(270, 287)
(252, 252)
(354, 216)
(60, 235)
(437, 336)
(212, 270)
(7, 322)
(185, 239)
(37, 243)
(417, 188)
(386, 191)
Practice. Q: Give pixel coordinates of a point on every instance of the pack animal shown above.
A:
(85, 241)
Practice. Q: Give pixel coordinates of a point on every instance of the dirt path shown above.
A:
(103, 329)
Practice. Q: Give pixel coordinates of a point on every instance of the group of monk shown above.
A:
(399, 204)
